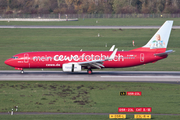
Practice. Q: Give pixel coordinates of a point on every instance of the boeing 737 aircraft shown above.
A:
(74, 61)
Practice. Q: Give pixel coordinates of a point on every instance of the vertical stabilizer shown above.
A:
(159, 42)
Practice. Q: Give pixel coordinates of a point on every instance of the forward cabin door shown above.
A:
(26, 59)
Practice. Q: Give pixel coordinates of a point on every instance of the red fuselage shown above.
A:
(74, 61)
(55, 59)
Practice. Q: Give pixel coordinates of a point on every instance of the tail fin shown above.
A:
(159, 42)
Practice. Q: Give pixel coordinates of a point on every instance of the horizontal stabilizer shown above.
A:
(165, 53)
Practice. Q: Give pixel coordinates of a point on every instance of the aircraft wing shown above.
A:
(164, 53)
(98, 63)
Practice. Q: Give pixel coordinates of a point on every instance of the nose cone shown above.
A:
(8, 62)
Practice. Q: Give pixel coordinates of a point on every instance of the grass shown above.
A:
(101, 97)
(87, 97)
(102, 22)
(14, 41)
(76, 117)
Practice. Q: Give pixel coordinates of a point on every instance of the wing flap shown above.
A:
(94, 65)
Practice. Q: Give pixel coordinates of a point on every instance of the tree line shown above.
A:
(89, 6)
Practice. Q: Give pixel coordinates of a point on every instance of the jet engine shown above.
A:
(71, 67)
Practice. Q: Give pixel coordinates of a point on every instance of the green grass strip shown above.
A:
(87, 97)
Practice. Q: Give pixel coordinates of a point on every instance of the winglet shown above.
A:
(113, 55)
(112, 48)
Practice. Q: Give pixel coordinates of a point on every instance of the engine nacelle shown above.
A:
(71, 67)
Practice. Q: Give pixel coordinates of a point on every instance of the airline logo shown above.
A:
(82, 57)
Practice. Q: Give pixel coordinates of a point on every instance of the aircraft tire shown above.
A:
(89, 71)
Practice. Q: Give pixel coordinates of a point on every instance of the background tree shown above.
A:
(161, 6)
(126, 6)
(89, 6)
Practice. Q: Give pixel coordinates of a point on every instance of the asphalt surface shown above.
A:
(88, 27)
(126, 76)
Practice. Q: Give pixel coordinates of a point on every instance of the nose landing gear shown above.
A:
(20, 69)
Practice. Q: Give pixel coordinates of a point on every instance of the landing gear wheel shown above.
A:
(89, 71)
(22, 71)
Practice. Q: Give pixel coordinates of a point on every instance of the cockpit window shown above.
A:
(14, 57)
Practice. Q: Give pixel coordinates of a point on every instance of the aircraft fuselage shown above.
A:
(55, 59)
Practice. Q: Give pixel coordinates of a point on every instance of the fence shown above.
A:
(71, 16)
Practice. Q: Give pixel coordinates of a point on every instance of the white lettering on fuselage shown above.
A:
(85, 57)
(42, 58)
(53, 65)
(82, 57)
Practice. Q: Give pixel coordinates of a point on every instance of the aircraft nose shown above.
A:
(8, 62)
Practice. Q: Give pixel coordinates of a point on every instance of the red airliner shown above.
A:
(74, 61)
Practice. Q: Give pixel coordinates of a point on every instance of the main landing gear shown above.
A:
(89, 71)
